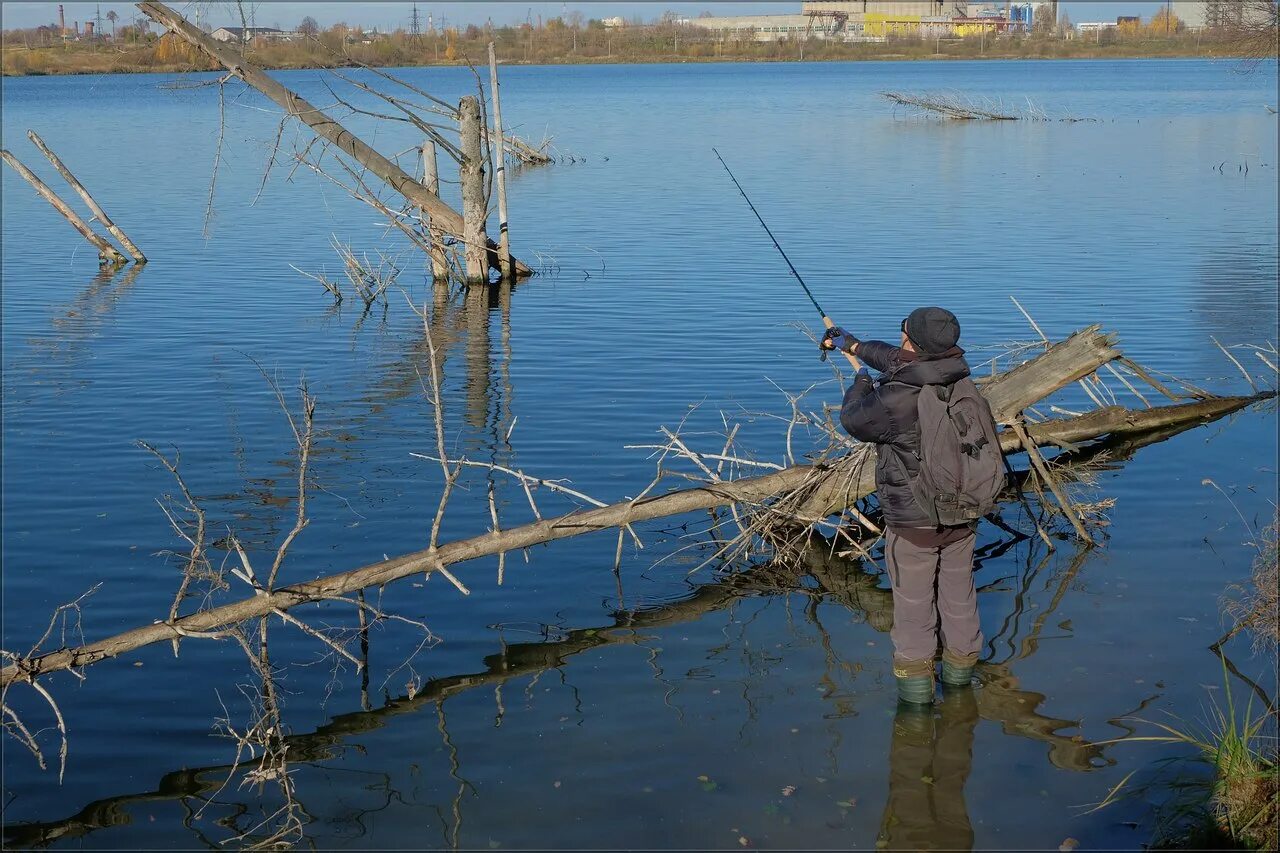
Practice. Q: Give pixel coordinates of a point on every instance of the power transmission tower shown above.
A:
(415, 25)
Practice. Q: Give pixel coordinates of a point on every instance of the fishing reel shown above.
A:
(828, 335)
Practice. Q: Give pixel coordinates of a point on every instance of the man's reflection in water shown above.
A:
(929, 762)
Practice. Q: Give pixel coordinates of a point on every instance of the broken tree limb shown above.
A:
(1090, 347)
(106, 252)
(98, 212)
(951, 106)
(1042, 468)
(442, 215)
(1116, 421)
(1146, 377)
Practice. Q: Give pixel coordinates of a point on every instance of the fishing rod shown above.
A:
(826, 320)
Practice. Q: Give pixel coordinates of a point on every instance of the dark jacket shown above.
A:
(884, 412)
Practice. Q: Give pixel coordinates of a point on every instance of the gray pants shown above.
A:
(932, 585)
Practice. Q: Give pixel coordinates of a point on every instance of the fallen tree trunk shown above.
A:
(951, 106)
(1060, 365)
(98, 212)
(1117, 421)
(844, 580)
(442, 215)
(106, 252)
(518, 148)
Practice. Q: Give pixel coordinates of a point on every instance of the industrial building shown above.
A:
(248, 34)
(875, 20)
(1209, 14)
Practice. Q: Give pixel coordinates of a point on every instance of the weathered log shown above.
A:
(1042, 468)
(444, 216)
(521, 150)
(106, 252)
(471, 171)
(500, 169)
(1119, 421)
(1088, 345)
(116, 230)
(431, 180)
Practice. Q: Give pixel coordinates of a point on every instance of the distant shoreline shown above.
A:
(79, 63)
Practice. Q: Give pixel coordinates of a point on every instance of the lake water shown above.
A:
(735, 717)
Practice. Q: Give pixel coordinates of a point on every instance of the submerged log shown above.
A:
(519, 149)
(98, 212)
(951, 106)
(442, 215)
(1008, 393)
(106, 252)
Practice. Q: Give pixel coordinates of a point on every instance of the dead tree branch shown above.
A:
(98, 212)
(797, 496)
(442, 215)
(106, 252)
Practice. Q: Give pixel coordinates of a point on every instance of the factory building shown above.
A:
(875, 20)
(759, 27)
(1209, 14)
(248, 34)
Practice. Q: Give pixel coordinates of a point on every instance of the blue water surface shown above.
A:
(761, 717)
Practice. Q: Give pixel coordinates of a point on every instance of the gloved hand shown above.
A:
(838, 338)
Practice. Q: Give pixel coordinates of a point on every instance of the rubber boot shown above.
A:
(915, 681)
(957, 670)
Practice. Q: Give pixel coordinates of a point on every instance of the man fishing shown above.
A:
(939, 469)
(937, 472)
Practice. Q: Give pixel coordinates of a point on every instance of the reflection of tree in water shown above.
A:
(461, 325)
(826, 581)
(832, 580)
(460, 320)
(74, 325)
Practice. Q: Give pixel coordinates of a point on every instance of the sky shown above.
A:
(389, 16)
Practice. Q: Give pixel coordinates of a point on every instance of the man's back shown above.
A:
(887, 416)
(930, 565)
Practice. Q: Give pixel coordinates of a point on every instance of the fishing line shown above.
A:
(807, 292)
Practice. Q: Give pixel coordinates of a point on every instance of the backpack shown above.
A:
(961, 464)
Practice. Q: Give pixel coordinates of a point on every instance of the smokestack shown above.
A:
(88, 29)
(75, 27)
(62, 21)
